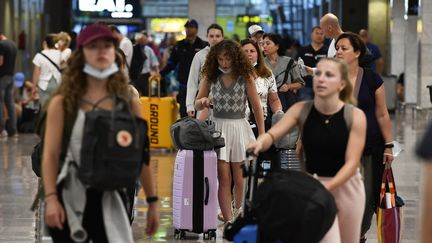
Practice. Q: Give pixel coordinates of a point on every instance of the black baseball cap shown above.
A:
(191, 23)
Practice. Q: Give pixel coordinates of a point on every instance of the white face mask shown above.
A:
(225, 71)
(100, 74)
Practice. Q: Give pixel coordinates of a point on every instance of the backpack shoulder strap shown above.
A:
(69, 122)
(304, 114)
(348, 115)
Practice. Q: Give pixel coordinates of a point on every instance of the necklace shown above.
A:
(327, 118)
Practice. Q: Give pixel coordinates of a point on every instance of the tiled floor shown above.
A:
(18, 186)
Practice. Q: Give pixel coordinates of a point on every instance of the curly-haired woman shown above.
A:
(228, 80)
(92, 75)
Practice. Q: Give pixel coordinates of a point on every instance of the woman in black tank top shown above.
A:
(332, 145)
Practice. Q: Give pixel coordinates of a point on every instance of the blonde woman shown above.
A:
(62, 45)
(332, 149)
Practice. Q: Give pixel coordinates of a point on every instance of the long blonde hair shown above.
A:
(346, 94)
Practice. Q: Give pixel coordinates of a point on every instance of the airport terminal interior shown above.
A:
(18, 186)
(400, 28)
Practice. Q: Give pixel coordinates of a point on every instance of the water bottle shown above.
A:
(301, 64)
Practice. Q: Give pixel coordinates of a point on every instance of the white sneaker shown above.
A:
(3, 134)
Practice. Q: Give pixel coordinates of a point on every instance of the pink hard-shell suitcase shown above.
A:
(195, 193)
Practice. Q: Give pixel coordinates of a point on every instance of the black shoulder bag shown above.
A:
(114, 147)
(287, 98)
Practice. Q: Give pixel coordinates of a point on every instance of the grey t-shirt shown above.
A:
(8, 50)
(280, 68)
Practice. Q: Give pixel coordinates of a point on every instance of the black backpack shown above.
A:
(114, 147)
(292, 206)
(137, 62)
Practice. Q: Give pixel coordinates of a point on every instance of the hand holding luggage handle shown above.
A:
(389, 216)
(388, 179)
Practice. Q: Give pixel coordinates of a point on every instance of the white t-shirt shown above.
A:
(332, 49)
(47, 68)
(127, 48)
(264, 86)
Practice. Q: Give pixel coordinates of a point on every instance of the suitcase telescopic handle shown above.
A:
(150, 82)
(207, 186)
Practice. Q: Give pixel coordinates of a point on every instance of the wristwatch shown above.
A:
(388, 145)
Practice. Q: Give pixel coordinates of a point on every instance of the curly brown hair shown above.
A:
(261, 68)
(240, 64)
(74, 82)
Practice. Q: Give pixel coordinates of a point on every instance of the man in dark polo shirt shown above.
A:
(181, 60)
(8, 52)
(311, 54)
(377, 59)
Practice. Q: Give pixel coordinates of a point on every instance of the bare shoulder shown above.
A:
(136, 106)
(56, 103)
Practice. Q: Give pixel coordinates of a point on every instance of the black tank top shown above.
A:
(325, 143)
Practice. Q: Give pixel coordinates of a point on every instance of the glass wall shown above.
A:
(290, 18)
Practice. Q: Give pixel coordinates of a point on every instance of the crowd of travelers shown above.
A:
(244, 84)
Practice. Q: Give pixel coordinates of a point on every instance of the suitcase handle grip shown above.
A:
(207, 187)
(150, 82)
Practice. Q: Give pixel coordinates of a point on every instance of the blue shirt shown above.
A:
(376, 53)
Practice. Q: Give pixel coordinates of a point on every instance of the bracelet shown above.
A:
(152, 199)
(50, 194)
(271, 136)
(388, 154)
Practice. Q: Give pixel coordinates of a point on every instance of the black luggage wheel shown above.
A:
(209, 235)
(179, 234)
